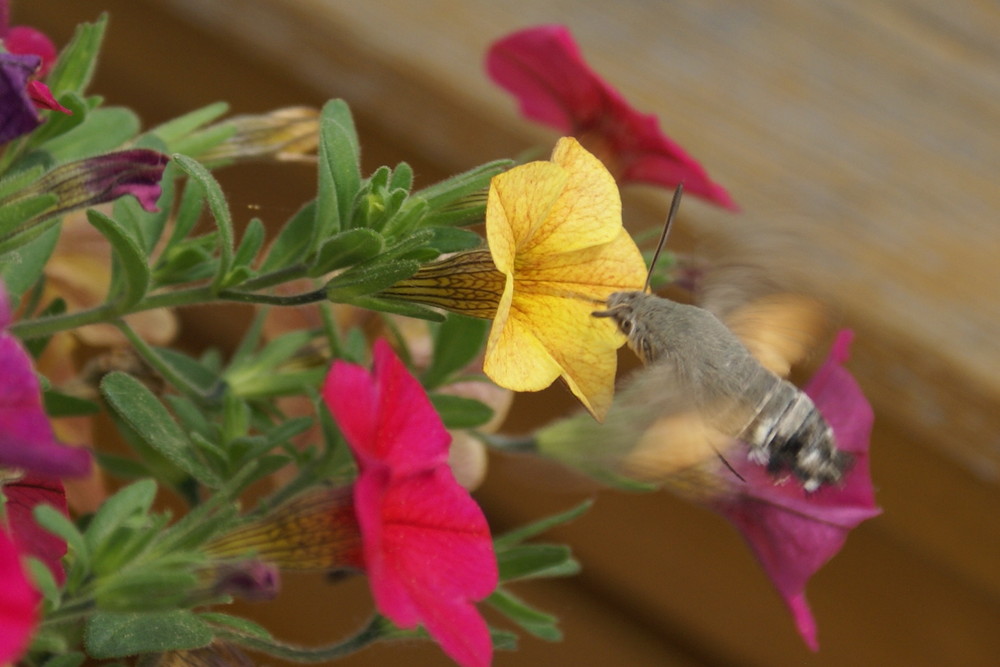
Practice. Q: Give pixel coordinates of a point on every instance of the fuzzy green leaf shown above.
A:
(144, 413)
(457, 342)
(117, 635)
(128, 250)
(339, 171)
(461, 412)
(346, 248)
(220, 212)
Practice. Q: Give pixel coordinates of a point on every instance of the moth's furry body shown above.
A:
(691, 348)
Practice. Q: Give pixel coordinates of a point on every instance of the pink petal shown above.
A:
(25, 40)
(26, 439)
(429, 554)
(22, 497)
(42, 97)
(387, 418)
(793, 533)
(544, 69)
(18, 604)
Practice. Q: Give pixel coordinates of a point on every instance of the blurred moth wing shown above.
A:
(709, 391)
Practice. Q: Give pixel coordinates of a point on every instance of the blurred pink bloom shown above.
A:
(427, 546)
(22, 40)
(23, 495)
(543, 68)
(794, 533)
(18, 604)
(26, 439)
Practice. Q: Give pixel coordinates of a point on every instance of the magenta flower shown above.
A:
(18, 603)
(23, 495)
(26, 439)
(794, 533)
(543, 68)
(427, 546)
(97, 180)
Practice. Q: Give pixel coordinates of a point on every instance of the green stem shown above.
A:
(167, 371)
(46, 326)
(377, 628)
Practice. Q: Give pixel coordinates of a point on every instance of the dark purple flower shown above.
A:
(17, 110)
(99, 179)
(26, 439)
(248, 579)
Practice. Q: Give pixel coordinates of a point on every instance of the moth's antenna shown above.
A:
(674, 205)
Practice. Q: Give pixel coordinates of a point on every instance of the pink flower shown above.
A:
(18, 604)
(26, 439)
(23, 496)
(794, 533)
(427, 546)
(544, 69)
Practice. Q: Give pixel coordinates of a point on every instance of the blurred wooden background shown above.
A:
(872, 127)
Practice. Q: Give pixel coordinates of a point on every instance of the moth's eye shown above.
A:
(626, 326)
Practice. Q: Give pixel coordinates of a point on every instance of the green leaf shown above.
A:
(518, 535)
(118, 634)
(129, 252)
(58, 404)
(534, 622)
(531, 561)
(339, 171)
(121, 467)
(74, 659)
(132, 500)
(346, 248)
(144, 413)
(56, 522)
(44, 580)
(102, 131)
(293, 241)
(458, 341)
(461, 412)
(220, 212)
(76, 63)
(454, 239)
(21, 268)
(177, 129)
(250, 244)
(144, 590)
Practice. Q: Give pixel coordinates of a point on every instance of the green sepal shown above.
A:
(347, 248)
(368, 278)
(533, 621)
